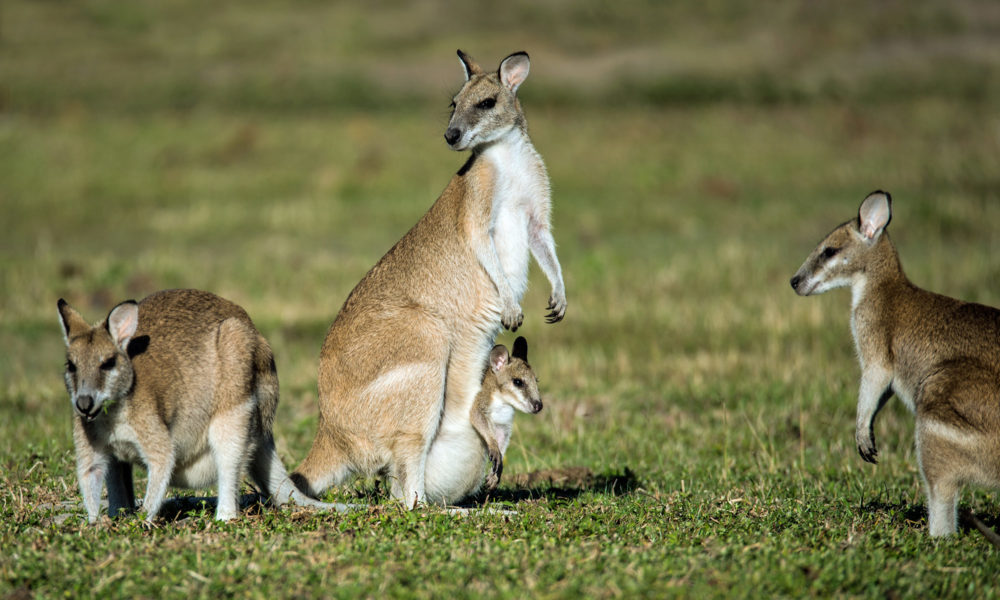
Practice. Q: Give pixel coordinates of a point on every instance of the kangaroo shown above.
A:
(403, 360)
(939, 355)
(455, 461)
(181, 383)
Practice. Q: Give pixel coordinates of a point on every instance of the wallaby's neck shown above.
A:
(882, 274)
(514, 143)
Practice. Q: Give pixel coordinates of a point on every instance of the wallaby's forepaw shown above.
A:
(866, 446)
(557, 308)
(512, 317)
(496, 470)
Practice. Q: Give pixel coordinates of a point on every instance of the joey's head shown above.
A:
(98, 367)
(850, 250)
(486, 107)
(516, 381)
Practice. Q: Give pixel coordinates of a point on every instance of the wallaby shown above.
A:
(403, 360)
(181, 383)
(456, 458)
(941, 356)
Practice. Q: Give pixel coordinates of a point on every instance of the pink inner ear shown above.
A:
(499, 362)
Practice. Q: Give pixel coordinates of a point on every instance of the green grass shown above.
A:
(272, 153)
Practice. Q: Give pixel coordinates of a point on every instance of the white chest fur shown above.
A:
(522, 186)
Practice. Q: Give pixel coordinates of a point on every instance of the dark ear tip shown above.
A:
(61, 303)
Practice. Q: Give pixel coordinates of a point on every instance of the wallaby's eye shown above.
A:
(487, 104)
(70, 367)
(109, 364)
(829, 252)
(518, 382)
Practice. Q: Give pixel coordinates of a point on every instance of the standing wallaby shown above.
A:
(181, 383)
(941, 356)
(456, 458)
(404, 358)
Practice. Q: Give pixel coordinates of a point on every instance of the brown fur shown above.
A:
(940, 355)
(181, 383)
(404, 356)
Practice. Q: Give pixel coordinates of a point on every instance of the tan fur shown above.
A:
(456, 458)
(403, 359)
(181, 383)
(941, 356)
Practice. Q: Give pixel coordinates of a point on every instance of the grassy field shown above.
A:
(697, 437)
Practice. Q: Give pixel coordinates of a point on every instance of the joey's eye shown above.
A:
(518, 382)
(70, 366)
(487, 104)
(109, 364)
(829, 252)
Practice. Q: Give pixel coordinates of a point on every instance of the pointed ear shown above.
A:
(514, 70)
(498, 357)
(520, 349)
(469, 65)
(122, 322)
(71, 320)
(874, 214)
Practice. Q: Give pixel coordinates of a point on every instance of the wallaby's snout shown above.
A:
(84, 406)
(452, 135)
(796, 280)
(536, 407)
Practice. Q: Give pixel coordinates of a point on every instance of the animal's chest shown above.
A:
(512, 204)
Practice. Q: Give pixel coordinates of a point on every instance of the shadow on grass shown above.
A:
(566, 483)
(560, 484)
(915, 515)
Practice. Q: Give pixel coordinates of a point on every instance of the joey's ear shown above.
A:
(122, 322)
(874, 214)
(520, 349)
(498, 357)
(70, 319)
(514, 70)
(469, 64)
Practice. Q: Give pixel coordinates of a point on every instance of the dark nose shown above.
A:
(795, 282)
(536, 406)
(84, 404)
(452, 135)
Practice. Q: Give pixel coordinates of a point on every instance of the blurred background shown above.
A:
(272, 152)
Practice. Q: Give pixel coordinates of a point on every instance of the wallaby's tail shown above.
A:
(270, 476)
(266, 380)
(983, 528)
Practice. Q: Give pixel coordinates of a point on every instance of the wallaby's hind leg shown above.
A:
(228, 439)
(940, 464)
(411, 446)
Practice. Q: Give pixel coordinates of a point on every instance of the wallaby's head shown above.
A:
(487, 106)
(98, 367)
(848, 251)
(515, 379)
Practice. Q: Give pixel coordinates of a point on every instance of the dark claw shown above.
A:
(868, 457)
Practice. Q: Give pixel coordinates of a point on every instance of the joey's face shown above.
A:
(482, 112)
(519, 386)
(97, 373)
(835, 262)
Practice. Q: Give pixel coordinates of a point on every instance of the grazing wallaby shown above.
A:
(181, 383)
(941, 356)
(456, 458)
(404, 358)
